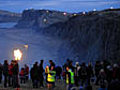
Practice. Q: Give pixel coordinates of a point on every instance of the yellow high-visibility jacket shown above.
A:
(51, 76)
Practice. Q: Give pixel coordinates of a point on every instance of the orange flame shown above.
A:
(18, 54)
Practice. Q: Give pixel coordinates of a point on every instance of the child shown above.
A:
(22, 75)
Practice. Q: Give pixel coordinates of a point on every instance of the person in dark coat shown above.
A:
(41, 71)
(58, 72)
(51, 64)
(26, 72)
(71, 66)
(10, 73)
(97, 70)
(90, 73)
(34, 73)
(15, 75)
(1, 71)
(66, 64)
(109, 74)
(83, 74)
(5, 73)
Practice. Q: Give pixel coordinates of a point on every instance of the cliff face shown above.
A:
(41, 18)
(6, 16)
(91, 36)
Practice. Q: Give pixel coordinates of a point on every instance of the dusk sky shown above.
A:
(60, 5)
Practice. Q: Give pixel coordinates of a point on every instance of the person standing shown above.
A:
(26, 72)
(22, 76)
(5, 73)
(97, 70)
(15, 75)
(84, 74)
(46, 72)
(69, 78)
(102, 80)
(10, 73)
(58, 72)
(90, 73)
(41, 71)
(51, 64)
(35, 75)
(51, 78)
(76, 73)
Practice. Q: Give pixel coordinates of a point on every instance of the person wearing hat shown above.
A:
(76, 72)
(102, 79)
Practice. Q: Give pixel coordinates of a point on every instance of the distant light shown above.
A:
(47, 11)
(64, 14)
(94, 9)
(75, 14)
(83, 12)
(45, 20)
(111, 7)
(26, 46)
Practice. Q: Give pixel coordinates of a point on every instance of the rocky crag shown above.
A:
(41, 18)
(88, 36)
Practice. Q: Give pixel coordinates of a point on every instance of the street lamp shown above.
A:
(17, 54)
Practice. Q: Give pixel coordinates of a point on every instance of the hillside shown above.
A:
(91, 36)
(41, 18)
(6, 16)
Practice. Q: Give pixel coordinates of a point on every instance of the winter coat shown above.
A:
(5, 69)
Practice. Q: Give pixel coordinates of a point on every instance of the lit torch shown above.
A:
(18, 54)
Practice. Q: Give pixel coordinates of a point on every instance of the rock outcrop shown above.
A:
(41, 18)
(90, 36)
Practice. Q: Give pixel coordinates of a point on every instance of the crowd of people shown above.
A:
(82, 75)
(11, 74)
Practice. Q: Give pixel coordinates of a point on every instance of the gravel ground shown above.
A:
(28, 86)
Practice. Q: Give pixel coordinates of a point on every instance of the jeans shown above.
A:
(15, 81)
(10, 80)
(5, 80)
